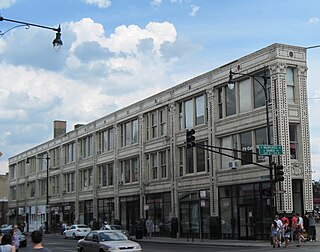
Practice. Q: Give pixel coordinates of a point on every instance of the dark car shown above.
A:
(22, 237)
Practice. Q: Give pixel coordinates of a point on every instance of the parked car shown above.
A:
(77, 231)
(117, 228)
(22, 237)
(107, 240)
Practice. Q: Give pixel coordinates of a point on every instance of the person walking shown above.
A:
(299, 228)
(312, 227)
(149, 227)
(36, 239)
(274, 234)
(279, 226)
(6, 244)
(286, 232)
(15, 237)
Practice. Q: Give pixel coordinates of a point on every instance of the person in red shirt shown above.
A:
(293, 226)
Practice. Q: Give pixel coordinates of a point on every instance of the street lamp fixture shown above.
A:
(264, 86)
(57, 42)
(47, 192)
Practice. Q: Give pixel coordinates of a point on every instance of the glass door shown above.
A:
(246, 222)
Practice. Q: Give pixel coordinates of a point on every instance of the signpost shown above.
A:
(269, 150)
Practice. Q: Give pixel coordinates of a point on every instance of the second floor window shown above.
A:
(129, 170)
(105, 175)
(54, 185)
(69, 182)
(86, 179)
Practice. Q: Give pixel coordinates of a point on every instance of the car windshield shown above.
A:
(112, 236)
(82, 226)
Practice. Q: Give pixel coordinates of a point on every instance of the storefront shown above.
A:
(106, 211)
(129, 212)
(195, 214)
(245, 211)
(158, 207)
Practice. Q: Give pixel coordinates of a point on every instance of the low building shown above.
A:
(134, 164)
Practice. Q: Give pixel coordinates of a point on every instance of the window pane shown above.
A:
(293, 141)
(200, 110)
(259, 96)
(135, 131)
(231, 101)
(245, 95)
(201, 160)
(290, 85)
(127, 125)
(261, 139)
(127, 171)
(246, 145)
(226, 143)
(189, 168)
(189, 114)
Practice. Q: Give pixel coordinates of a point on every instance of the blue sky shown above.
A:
(117, 50)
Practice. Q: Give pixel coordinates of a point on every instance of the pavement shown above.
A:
(214, 242)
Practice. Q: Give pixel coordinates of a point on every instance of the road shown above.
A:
(58, 244)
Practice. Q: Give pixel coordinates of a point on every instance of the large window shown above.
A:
(105, 140)
(105, 175)
(245, 92)
(32, 189)
(192, 161)
(129, 170)
(55, 157)
(156, 123)
(159, 164)
(193, 112)
(293, 141)
(129, 133)
(86, 179)
(230, 101)
(54, 181)
(290, 85)
(86, 147)
(69, 152)
(69, 182)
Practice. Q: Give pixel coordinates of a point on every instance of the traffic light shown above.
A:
(278, 173)
(190, 138)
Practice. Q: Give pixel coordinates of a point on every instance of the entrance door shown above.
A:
(246, 222)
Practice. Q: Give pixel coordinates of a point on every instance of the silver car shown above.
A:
(77, 231)
(107, 240)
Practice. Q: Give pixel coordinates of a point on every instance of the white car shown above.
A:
(77, 231)
(107, 240)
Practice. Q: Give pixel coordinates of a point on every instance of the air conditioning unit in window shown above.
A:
(233, 165)
(120, 182)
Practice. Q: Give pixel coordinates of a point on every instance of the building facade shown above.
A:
(134, 164)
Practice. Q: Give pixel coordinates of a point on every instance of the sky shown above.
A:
(117, 52)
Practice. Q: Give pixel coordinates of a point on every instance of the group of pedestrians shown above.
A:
(282, 230)
(10, 242)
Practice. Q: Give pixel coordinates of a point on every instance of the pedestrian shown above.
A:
(293, 226)
(149, 227)
(63, 227)
(299, 228)
(6, 244)
(284, 220)
(286, 232)
(312, 227)
(15, 237)
(279, 226)
(274, 234)
(36, 239)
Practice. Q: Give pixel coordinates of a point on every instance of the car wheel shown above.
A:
(81, 250)
(74, 236)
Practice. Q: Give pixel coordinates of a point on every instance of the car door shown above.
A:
(70, 231)
(95, 242)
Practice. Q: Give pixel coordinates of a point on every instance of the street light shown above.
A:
(57, 42)
(47, 193)
(264, 86)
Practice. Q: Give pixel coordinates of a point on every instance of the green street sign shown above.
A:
(269, 150)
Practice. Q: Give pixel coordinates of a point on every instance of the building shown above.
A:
(4, 193)
(134, 163)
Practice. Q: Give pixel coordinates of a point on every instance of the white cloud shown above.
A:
(156, 3)
(99, 3)
(194, 10)
(6, 3)
(313, 21)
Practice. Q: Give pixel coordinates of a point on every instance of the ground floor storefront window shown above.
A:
(105, 211)
(158, 207)
(129, 212)
(245, 211)
(195, 214)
